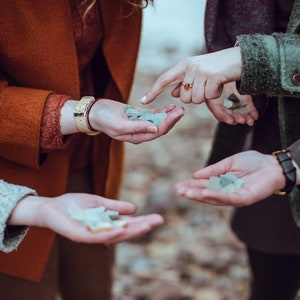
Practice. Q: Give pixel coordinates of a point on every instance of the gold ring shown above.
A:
(187, 86)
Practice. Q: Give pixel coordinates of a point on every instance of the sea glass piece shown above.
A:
(235, 105)
(133, 114)
(96, 219)
(225, 183)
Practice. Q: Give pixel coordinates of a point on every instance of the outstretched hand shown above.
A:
(246, 115)
(261, 173)
(108, 116)
(52, 213)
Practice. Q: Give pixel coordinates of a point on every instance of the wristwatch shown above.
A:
(81, 115)
(288, 170)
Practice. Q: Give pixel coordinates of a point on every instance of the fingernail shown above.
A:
(143, 99)
(152, 129)
(179, 190)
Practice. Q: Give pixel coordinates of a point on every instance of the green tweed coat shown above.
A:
(271, 66)
(277, 73)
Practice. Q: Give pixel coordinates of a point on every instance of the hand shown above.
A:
(216, 106)
(52, 213)
(108, 116)
(206, 73)
(261, 173)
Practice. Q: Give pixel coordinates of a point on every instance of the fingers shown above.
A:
(92, 201)
(186, 90)
(196, 190)
(174, 114)
(136, 226)
(174, 75)
(136, 127)
(198, 90)
(216, 169)
(123, 207)
(217, 109)
(176, 91)
(246, 114)
(212, 71)
(213, 89)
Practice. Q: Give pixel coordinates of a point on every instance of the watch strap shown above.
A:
(288, 170)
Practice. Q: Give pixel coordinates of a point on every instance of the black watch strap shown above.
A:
(288, 170)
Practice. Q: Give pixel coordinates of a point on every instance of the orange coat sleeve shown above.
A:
(21, 111)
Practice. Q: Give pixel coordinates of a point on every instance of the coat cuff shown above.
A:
(270, 65)
(260, 73)
(11, 236)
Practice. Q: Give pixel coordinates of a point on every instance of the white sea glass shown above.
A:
(96, 219)
(225, 183)
(133, 114)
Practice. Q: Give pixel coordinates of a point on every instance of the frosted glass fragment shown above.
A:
(96, 219)
(235, 105)
(144, 114)
(225, 183)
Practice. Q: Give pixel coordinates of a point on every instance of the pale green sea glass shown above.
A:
(96, 219)
(133, 114)
(225, 183)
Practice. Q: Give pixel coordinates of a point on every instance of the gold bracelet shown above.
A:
(81, 115)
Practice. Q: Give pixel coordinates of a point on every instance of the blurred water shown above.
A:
(172, 29)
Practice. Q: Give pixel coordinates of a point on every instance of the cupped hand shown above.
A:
(108, 116)
(199, 78)
(261, 173)
(246, 115)
(52, 213)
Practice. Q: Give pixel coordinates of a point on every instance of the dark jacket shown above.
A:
(267, 225)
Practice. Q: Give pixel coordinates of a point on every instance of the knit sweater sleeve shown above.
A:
(10, 194)
(51, 137)
(270, 64)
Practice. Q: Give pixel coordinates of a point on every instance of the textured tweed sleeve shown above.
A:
(270, 64)
(51, 137)
(10, 194)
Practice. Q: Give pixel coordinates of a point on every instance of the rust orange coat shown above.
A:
(38, 56)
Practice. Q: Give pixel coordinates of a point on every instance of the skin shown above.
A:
(105, 116)
(211, 75)
(108, 116)
(52, 213)
(232, 118)
(261, 173)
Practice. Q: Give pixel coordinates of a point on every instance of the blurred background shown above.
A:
(194, 255)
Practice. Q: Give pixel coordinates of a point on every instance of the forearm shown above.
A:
(10, 195)
(67, 121)
(26, 211)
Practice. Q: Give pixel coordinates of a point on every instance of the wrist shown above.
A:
(25, 211)
(67, 121)
(235, 56)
